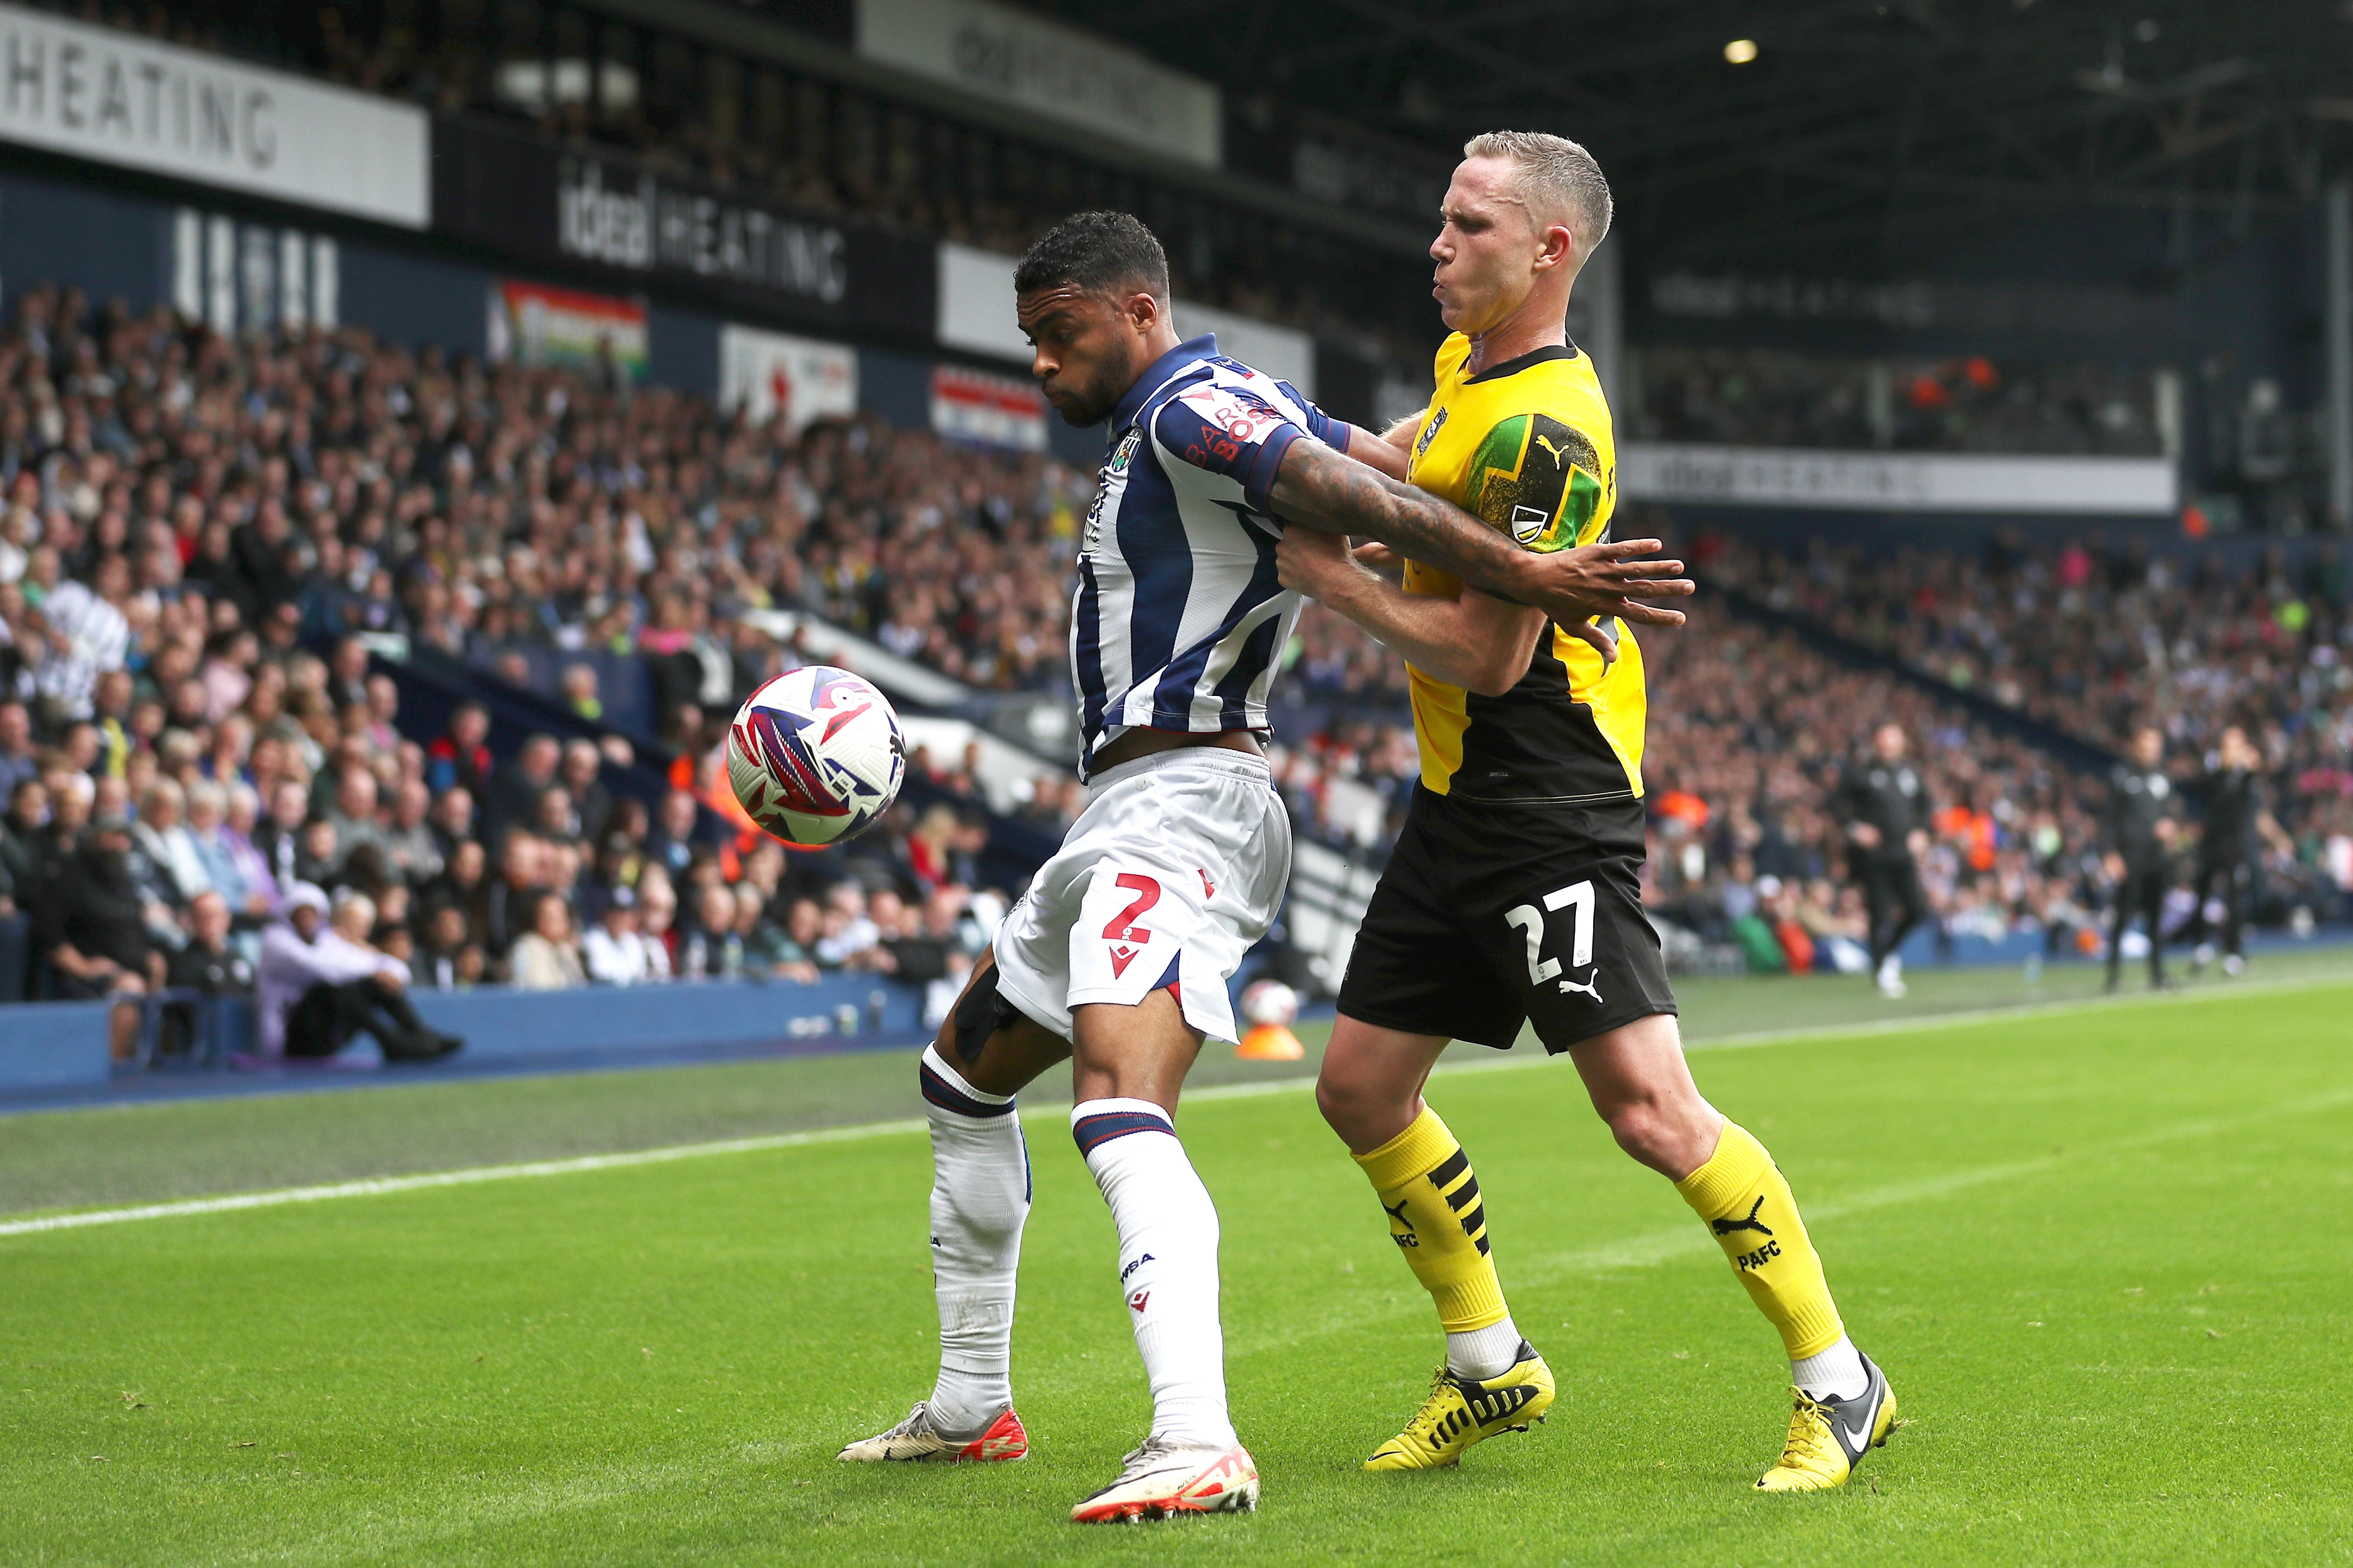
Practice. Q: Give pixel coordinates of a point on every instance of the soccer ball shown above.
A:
(1270, 1002)
(816, 755)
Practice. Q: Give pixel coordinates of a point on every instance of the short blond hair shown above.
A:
(1558, 179)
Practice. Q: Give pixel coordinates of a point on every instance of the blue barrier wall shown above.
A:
(54, 1045)
(505, 1026)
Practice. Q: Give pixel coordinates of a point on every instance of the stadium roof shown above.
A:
(1853, 121)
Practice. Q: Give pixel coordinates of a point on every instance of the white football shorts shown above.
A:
(1174, 871)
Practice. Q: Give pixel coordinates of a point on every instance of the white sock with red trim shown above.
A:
(1167, 1263)
(980, 1198)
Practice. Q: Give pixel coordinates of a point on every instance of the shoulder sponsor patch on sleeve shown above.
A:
(1537, 478)
(1226, 429)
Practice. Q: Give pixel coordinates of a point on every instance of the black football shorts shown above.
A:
(1493, 915)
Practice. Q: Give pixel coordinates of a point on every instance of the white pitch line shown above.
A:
(376, 1187)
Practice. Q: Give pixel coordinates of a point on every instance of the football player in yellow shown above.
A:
(1514, 892)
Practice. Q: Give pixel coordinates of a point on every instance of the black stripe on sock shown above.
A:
(1461, 1194)
(1092, 1133)
(1453, 1166)
(1480, 1241)
(1473, 1220)
(947, 1097)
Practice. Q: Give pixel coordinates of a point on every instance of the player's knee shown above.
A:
(1655, 1132)
(1366, 1115)
(1344, 1104)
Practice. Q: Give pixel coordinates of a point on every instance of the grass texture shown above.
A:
(2100, 1252)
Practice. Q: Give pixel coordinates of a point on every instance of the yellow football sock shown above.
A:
(1424, 1181)
(1747, 1204)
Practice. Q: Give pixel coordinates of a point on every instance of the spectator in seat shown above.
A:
(554, 820)
(410, 851)
(711, 947)
(23, 831)
(506, 902)
(579, 684)
(459, 759)
(164, 839)
(320, 984)
(803, 934)
(97, 922)
(615, 951)
(317, 855)
(671, 843)
(544, 957)
(592, 803)
(89, 634)
(658, 900)
(440, 960)
(353, 812)
(17, 762)
(462, 884)
(452, 818)
(236, 867)
(347, 681)
(280, 839)
(207, 964)
(513, 792)
(847, 935)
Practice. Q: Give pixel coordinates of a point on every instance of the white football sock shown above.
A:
(1835, 1374)
(1486, 1353)
(1167, 1262)
(980, 1197)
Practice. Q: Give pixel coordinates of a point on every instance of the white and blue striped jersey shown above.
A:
(1179, 619)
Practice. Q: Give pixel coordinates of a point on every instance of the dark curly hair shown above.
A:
(1099, 252)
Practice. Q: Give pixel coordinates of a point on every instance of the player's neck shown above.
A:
(1537, 324)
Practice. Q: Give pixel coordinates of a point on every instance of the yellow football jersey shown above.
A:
(1526, 446)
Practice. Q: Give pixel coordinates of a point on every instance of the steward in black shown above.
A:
(2140, 830)
(1883, 804)
(2226, 841)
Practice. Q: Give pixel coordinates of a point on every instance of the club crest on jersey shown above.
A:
(1428, 433)
(1108, 486)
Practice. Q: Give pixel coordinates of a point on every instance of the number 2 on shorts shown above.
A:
(1122, 927)
(1532, 925)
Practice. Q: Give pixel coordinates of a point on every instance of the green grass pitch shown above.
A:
(2101, 1252)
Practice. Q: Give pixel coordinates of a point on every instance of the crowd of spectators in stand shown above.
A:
(198, 538)
(1750, 727)
(1756, 397)
(2096, 640)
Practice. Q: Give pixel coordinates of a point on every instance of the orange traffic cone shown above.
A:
(1270, 1043)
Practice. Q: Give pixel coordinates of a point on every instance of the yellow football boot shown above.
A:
(1461, 1411)
(1829, 1438)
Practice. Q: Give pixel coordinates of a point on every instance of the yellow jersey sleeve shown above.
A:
(1539, 480)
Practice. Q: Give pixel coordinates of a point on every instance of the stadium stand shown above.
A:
(302, 602)
(202, 538)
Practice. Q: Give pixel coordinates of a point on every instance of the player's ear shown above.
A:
(1558, 247)
(1144, 311)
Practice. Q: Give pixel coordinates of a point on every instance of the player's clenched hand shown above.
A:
(1605, 580)
(1310, 561)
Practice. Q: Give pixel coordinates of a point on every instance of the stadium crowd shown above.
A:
(1750, 728)
(1754, 397)
(199, 537)
(2096, 641)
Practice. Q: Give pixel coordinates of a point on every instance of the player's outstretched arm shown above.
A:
(1472, 640)
(1321, 487)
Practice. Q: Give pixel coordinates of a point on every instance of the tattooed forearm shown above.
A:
(1318, 487)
